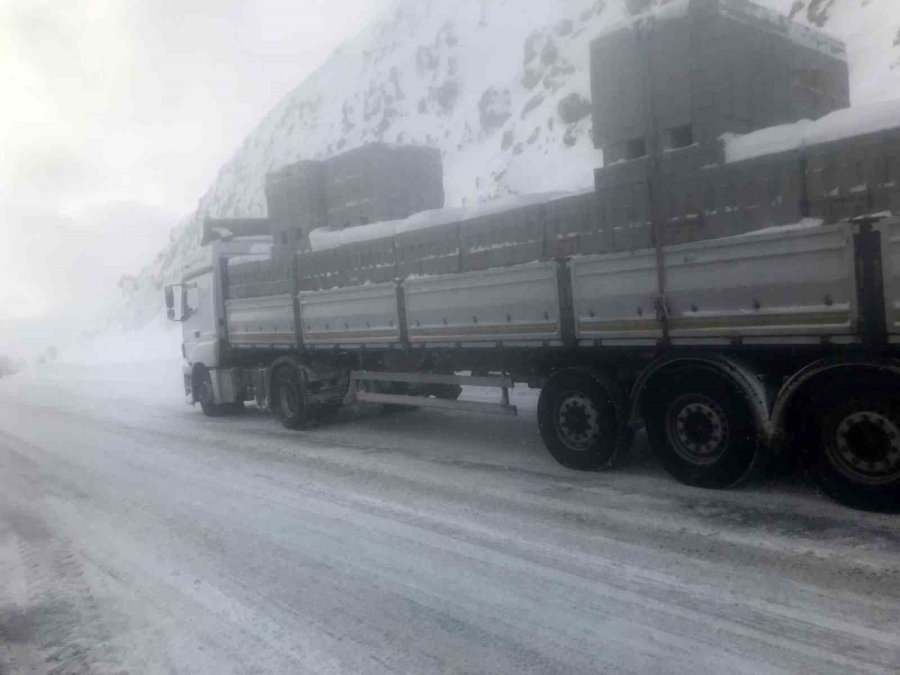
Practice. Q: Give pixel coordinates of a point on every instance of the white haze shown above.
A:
(116, 116)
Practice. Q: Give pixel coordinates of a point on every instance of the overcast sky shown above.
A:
(115, 117)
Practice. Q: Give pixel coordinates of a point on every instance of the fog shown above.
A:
(116, 117)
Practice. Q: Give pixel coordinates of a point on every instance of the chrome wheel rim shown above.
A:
(577, 421)
(697, 429)
(866, 447)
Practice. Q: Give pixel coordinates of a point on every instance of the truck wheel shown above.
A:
(203, 393)
(853, 454)
(289, 399)
(581, 418)
(701, 429)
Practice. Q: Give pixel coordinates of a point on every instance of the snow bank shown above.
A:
(836, 126)
(323, 238)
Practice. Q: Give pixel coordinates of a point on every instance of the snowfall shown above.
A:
(137, 535)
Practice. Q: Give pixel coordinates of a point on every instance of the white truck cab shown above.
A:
(198, 303)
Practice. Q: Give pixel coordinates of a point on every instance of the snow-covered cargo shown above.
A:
(696, 69)
(379, 182)
(257, 278)
(295, 197)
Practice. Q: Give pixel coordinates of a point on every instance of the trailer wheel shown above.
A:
(289, 397)
(852, 450)
(701, 429)
(580, 415)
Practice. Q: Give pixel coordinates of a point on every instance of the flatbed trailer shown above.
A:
(780, 342)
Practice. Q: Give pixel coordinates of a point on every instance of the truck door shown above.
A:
(201, 344)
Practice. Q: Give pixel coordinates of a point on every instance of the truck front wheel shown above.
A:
(204, 395)
(851, 446)
(581, 418)
(701, 429)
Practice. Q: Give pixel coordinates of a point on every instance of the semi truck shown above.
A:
(729, 348)
(778, 341)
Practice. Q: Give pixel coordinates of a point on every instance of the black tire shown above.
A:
(701, 429)
(582, 420)
(203, 394)
(850, 446)
(289, 399)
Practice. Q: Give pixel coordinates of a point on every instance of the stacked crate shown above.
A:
(319, 270)
(258, 278)
(673, 83)
(854, 176)
(501, 239)
(353, 264)
(428, 251)
(722, 66)
(369, 262)
(295, 198)
(379, 182)
(575, 225)
(701, 196)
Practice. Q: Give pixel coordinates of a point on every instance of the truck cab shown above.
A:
(197, 301)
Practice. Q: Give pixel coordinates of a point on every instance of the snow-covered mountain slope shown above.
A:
(501, 86)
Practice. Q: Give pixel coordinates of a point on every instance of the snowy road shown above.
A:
(138, 536)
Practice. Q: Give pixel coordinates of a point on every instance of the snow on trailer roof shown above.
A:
(740, 10)
(324, 238)
(664, 10)
(836, 126)
(215, 229)
(745, 10)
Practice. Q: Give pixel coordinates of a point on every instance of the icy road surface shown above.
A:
(138, 536)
